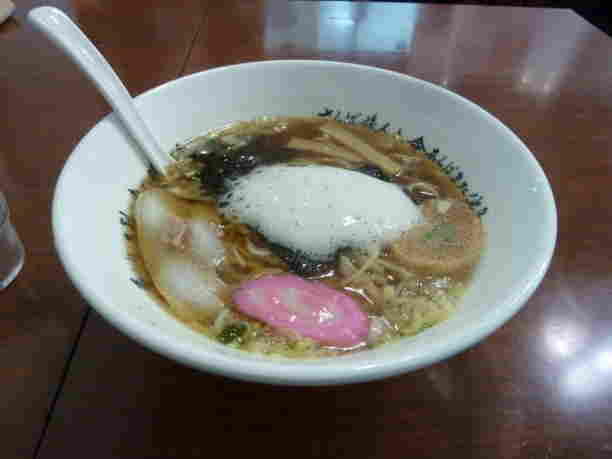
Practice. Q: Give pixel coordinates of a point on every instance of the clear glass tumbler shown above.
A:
(12, 253)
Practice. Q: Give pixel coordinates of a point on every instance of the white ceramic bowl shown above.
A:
(521, 222)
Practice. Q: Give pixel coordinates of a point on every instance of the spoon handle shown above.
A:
(67, 36)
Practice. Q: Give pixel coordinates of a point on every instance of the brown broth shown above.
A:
(240, 264)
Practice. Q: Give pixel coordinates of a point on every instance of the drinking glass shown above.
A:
(12, 253)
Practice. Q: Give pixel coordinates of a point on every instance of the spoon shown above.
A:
(67, 36)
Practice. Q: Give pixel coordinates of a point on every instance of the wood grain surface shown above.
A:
(539, 387)
(46, 106)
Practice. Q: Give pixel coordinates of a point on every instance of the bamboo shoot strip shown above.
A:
(319, 147)
(363, 148)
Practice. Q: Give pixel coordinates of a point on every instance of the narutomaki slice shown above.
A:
(309, 308)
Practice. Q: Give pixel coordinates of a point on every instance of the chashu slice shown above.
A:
(180, 248)
(451, 239)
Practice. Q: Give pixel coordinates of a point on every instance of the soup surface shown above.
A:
(304, 237)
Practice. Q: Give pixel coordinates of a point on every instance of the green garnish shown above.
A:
(233, 333)
(444, 232)
(427, 325)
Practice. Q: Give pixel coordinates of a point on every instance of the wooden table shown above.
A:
(540, 387)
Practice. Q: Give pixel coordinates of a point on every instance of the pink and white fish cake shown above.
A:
(309, 308)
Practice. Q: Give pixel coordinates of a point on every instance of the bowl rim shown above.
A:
(311, 372)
